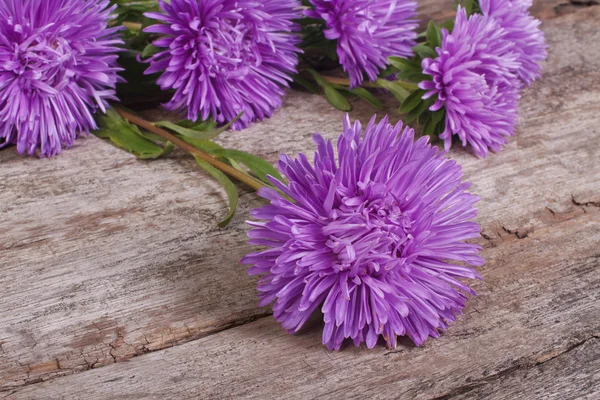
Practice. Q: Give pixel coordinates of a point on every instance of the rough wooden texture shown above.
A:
(106, 258)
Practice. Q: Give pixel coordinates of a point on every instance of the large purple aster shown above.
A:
(57, 67)
(223, 57)
(473, 79)
(376, 240)
(367, 32)
(523, 30)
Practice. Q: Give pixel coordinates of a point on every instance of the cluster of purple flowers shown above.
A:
(223, 57)
(481, 67)
(376, 239)
(367, 32)
(57, 67)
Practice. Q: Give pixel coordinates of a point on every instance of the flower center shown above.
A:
(40, 58)
(222, 47)
(369, 236)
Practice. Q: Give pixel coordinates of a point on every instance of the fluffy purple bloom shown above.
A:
(473, 80)
(523, 30)
(223, 57)
(376, 240)
(368, 32)
(57, 67)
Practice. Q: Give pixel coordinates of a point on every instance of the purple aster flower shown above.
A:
(368, 32)
(523, 30)
(58, 65)
(223, 57)
(473, 80)
(376, 240)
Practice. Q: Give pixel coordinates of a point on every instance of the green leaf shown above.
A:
(230, 189)
(434, 36)
(149, 51)
(429, 126)
(403, 64)
(127, 136)
(448, 25)
(204, 145)
(425, 51)
(366, 96)
(228, 125)
(468, 5)
(337, 99)
(438, 115)
(319, 79)
(308, 85)
(416, 113)
(393, 87)
(333, 95)
(390, 70)
(187, 132)
(411, 102)
(413, 76)
(257, 165)
(203, 126)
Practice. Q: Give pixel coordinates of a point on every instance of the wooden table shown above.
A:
(115, 282)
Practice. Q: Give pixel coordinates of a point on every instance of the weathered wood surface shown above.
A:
(104, 257)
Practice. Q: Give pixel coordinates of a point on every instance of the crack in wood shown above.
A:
(563, 8)
(525, 365)
(98, 363)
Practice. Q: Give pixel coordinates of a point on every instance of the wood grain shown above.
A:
(575, 374)
(105, 257)
(537, 302)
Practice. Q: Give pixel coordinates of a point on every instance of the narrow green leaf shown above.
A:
(333, 95)
(448, 25)
(440, 126)
(135, 143)
(434, 36)
(424, 51)
(403, 64)
(366, 96)
(319, 79)
(228, 125)
(204, 145)
(128, 137)
(438, 115)
(149, 51)
(337, 99)
(230, 189)
(257, 165)
(416, 113)
(428, 126)
(308, 85)
(413, 76)
(468, 4)
(393, 87)
(412, 101)
(390, 70)
(187, 132)
(207, 125)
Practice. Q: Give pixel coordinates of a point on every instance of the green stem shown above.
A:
(223, 167)
(133, 26)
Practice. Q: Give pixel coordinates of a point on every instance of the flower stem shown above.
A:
(228, 169)
(133, 26)
(346, 81)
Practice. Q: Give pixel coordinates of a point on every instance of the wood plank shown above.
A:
(576, 375)
(105, 257)
(539, 299)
